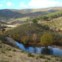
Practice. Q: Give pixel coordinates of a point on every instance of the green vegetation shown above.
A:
(30, 55)
(51, 16)
(34, 34)
(35, 21)
(47, 39)
(27, 34)
(46, 33)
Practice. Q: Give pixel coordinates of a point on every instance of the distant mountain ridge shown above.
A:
(6, 14)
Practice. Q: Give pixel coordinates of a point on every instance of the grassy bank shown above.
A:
(11, 54)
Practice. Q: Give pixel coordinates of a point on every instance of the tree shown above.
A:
(46, 39)
(46, 18)
(34, 21)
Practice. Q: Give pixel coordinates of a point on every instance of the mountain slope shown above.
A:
(8, 14)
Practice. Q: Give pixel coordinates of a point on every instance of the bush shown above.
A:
(34, 37)
(60, 42)
(24, 39)
(16, 36)
(41, 56)
(30, 55)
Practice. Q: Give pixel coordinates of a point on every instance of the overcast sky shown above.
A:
(28, 4)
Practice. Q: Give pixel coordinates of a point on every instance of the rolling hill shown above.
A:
(8, 14)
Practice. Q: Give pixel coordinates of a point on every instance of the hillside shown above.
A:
(55, 23)
(27, 32)
(50, 22)
(12, 54)
(32, 28)
(9, 14)
(28, 29)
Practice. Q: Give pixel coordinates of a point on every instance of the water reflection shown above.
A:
(20, 45)
(57, 52)
(39, 50)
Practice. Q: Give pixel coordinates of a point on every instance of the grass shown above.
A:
(10, 53)
(41, 56)
(3, 61)
(28, 29)
(9, 49)
(30, 55)
(22, 29)
(55, 23)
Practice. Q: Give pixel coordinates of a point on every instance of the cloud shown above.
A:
(44, 3)
(9, 4)
(41, 4)
(23, 5)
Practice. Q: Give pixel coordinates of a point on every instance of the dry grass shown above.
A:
(11, 54)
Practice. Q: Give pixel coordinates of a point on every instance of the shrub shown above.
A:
(30, 55)
(34, 21)
(24, 39)
(34, 37)
(16, 36)
(60, 42)
(41, 56)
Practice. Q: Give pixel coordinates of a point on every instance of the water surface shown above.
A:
(38, 50)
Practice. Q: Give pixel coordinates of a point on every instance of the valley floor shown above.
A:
(11, 54)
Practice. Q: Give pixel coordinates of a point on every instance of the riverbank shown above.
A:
(12, 54)
(54, 46)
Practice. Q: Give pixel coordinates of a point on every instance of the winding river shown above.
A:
(38, 50)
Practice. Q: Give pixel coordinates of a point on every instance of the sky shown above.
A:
(29, 4)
